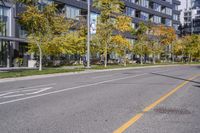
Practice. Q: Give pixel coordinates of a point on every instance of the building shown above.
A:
(191, 17)
(13, 43)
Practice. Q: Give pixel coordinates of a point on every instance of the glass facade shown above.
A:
(5, 20)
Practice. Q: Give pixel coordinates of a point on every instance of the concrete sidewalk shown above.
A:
(15, 68)
(73, 73)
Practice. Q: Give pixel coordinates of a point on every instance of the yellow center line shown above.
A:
(151, 106)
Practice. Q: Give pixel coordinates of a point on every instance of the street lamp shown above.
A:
(88, 35)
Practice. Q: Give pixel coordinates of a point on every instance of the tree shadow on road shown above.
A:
(198, 86)
(193, 81)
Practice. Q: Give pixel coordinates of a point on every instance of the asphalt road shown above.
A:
(150, 100)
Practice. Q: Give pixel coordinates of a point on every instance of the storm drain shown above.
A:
(179, 111)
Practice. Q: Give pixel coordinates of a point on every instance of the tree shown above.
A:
(46, 29)
(168, 36)
(105, 25)
(141, 46)
(191, 44)
(154, 40)
(121, 44)
(178, 48)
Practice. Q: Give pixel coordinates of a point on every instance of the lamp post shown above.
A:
(88, 35)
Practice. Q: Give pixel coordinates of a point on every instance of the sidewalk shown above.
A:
(73, 73)
(15, 68)
(27, 68)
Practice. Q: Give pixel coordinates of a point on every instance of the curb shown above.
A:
(76, 73)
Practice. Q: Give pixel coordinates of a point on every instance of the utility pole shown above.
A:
(88, 35)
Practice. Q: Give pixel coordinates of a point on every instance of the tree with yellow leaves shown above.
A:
(46, 30)
(105, 24)
(121, 44)
(141, 46)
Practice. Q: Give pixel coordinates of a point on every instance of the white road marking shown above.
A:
(24, 92)
(73, 88)
(39, 91)
(7, 93)
(10, 96)
(22, 89)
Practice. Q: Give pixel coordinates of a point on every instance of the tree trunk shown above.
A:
(154, 59)
(125, 58)
(141, 61)
(40, 56)
(173, 58)
(40, 65)
(80, 60)
(105, 55)
(189, 58)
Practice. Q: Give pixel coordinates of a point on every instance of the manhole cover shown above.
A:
(178, 111)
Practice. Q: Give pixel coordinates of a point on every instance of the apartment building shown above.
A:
(191, 18)
(12, 36)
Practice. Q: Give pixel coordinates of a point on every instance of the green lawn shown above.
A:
(22, 73)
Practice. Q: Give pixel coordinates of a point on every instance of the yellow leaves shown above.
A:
(120, 44)
(121, 41)
(166, 35)
(123, 23)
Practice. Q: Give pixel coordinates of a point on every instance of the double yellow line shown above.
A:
(151, 106)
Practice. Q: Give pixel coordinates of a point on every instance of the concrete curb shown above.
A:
(75, 73)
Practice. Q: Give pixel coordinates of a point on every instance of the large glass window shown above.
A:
(5, 21)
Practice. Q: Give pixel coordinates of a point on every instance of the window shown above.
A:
(168, 11)
(175, 17)
(176, 7)
(131, 1)
(144, 16)
(5, 19)
(72, 12)
(168, 22)
(175, 26)
(156, 7)
(144, 3)
(156, 19)
(130, 12)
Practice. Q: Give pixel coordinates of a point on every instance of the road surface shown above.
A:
(149, 100)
